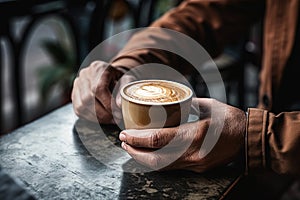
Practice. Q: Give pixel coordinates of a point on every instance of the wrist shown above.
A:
(125, 62)
(120, 68)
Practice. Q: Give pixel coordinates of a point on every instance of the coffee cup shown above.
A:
(155, 104)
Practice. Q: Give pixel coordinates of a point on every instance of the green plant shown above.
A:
(60, 74)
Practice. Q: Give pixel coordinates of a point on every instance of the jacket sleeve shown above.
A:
(211, 23)
(273, 142)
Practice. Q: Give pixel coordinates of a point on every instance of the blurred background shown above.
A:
(43, 42)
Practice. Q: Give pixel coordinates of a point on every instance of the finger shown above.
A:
(145, 157)
(82, 104)
(149, 138)
(203, 102)
(103, 98)
(117, 114)
(103, 95)
(103, 116)
(116, 111)
(116, 108)
(103, 91)
(86, 112)
(195, 107)
(201, 107)
(123, 81)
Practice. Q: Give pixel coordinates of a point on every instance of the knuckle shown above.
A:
(76, 85)
(76, 112)
(156, 140)
(85, 101)
(100, 87)
(95, 63)
(82, 72)
(75, 81)
(79, 108)
(183, 138)
(133, 141)
(155, 162)
(94, 88)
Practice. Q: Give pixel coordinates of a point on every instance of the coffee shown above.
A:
(155, 104)
(156, 91)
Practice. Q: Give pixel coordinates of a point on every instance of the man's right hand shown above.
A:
(92, 93)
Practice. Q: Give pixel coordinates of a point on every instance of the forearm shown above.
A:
(212, 24)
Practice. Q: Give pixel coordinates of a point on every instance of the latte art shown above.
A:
(156, 92)
(155, 104)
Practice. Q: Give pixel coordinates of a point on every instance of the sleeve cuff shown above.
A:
(125, 63)
(255, 143)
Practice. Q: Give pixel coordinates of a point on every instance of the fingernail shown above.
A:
(124, 146)
(122, 137)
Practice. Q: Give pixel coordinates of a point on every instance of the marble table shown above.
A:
(62, 157)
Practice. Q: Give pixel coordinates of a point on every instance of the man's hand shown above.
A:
(92, 93)
(179, 147)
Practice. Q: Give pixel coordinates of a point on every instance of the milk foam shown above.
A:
(156, 91)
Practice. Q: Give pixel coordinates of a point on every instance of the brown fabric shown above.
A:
(273, 141)
(255, 144)
(277, 147)
(211, 23)
(279, 31)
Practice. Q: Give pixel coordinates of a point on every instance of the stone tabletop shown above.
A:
(62, 157)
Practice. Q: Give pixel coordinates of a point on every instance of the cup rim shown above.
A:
(123, 95)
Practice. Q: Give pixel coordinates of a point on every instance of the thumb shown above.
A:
(123, 81)
(150, 138)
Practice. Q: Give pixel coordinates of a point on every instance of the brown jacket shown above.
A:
(272, 140)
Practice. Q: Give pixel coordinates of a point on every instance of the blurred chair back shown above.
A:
(87, 23)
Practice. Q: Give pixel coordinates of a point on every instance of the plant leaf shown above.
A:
(49, 77)
(56, 51)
